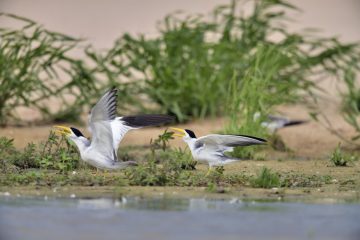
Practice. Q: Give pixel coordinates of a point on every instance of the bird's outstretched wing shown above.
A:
(105, 108)
(219, 142)
(280, 122)
(108, 130)
(100, 118)
(121, 125)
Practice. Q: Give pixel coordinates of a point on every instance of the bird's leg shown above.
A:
(208, 172)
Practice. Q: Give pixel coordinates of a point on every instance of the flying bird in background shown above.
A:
(274, 123)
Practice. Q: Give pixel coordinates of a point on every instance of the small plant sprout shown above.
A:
(266, 179)
(341, 159)
(162, 141)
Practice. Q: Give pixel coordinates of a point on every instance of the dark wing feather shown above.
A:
(146, 120)
(284, 122)
(105, 108)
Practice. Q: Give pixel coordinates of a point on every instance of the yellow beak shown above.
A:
(183, 133)
(62, 130)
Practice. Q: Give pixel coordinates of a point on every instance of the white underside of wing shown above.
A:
(89, 124)
(101, 149)
(119, 129)
(228, 149)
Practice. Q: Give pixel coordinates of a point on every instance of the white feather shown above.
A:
(119, 129)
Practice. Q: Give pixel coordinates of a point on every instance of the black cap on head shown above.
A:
(76, 132)
(191, 133)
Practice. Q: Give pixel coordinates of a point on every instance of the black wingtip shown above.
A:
(147, 120)
(294, 122)
(113, 89)
(256, 138)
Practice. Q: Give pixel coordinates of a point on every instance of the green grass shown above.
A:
(301, 180)
(340, 159)
(56, 153)
(256, 93)
(56, 163)
(197, 59)
(48, 178)
(266, 179)
(154, 175)
(30, 59)
(187, 71)
(163, 166)
(351, 100)
(37, 66)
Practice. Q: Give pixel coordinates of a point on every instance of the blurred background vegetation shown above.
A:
(230, 64)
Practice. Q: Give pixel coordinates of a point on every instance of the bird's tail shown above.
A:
(147, 120)
(122, 165)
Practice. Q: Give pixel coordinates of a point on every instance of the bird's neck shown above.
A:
(81, 143)
(190, 142)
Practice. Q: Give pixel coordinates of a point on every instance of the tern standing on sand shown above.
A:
(212, 148)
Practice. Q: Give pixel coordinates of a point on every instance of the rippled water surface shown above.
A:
(136, 218)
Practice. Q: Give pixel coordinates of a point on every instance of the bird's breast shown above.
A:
(97, 160)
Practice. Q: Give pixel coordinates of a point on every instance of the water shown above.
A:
(137, 218)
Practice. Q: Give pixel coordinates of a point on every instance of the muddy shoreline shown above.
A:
(309, 195)
(311, 181)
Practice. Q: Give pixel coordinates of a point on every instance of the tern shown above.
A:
(212, 148)
(107, 132)
(274, 123)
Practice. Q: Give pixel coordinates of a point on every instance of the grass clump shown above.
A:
(171, 168)
(7, 151)
(29, 57)
(341, 159)
(56, 153)
(161, 142)
(266, 179)
(178, 158)
(33, 60)
(45, 177)
(195, 59)
(148, 174)
(351, 100)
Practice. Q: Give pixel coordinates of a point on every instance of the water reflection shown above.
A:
(138, 203)
(163, 218)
